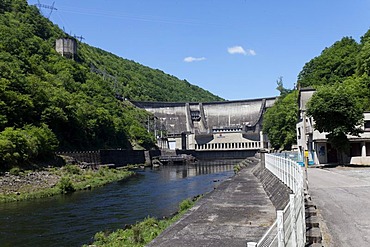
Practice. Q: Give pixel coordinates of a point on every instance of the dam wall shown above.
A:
(212, 125)
(180, 117)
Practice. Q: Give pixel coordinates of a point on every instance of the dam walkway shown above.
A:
(239, 210)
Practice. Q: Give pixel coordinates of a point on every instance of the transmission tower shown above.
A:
(112, 78)
(51, 7)
(80, 38)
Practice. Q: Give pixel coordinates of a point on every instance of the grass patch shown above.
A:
(71, 178)
(237, 169)
(141, 233)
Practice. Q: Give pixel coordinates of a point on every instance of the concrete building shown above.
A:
(67, 47)
(223, 126)
(319, 150)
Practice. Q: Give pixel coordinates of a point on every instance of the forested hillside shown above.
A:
(341, 76)
(49, 102)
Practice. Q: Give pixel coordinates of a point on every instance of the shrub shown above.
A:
(21, 146)
(15, 171)
(186, 204)
(150, 221)
(237, 168)
(137, 235)
(72, 169)
(103, 170)
(100, 237)
(65, 185)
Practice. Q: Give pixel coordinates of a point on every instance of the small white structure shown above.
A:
(315, 142)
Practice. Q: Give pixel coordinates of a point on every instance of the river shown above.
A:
(72, 220)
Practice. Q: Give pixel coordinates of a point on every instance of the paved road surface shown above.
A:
(238, 211)
(342, 195)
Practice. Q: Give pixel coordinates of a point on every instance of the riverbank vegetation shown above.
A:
(140, 233)
(341, 77)
(49, 102)
(19, 185)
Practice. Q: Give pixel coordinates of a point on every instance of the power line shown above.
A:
(51, 7)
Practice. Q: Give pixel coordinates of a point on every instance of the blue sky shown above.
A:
(236, 49)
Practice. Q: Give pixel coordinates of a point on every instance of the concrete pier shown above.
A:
(238, 211)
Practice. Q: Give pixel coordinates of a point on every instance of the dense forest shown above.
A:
(49, 102)
(341, 77)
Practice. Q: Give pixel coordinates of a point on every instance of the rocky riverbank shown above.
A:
(27, 182)
(26, 185)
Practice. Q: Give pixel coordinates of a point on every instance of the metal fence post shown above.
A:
(293, 219)
(263, 153)
(303, 213)
(280, 227)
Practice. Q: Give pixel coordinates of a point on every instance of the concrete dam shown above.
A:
(212, 126)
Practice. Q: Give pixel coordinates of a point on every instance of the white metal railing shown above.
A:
(289, 229)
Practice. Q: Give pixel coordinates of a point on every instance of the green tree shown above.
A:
(19, 147)
(280, 87)
(333, 65)
(363, 57)
(279, 122)
(337, 111)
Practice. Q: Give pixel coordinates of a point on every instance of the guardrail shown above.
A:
(289, 229)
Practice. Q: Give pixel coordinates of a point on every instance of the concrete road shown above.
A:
(238, 211)
(342, 195)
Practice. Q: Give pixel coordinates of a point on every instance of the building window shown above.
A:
(367, 148)
(367, 125)
(355, 149)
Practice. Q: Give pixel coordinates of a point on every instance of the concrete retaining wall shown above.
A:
(117, 157)
(92, 157)
(122, 157)
(277, 191)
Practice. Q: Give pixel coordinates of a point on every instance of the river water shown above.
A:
(72, 220)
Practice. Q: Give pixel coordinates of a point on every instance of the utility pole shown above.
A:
(305, 151)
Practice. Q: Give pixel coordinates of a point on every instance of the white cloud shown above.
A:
(251, 52)
(193, 59)
(240, 50)
(236, 50)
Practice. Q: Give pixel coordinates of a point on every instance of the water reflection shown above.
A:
(201, 168)
(73, 219)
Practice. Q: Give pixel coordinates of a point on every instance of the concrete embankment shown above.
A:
(275, 188)
(239, 210)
